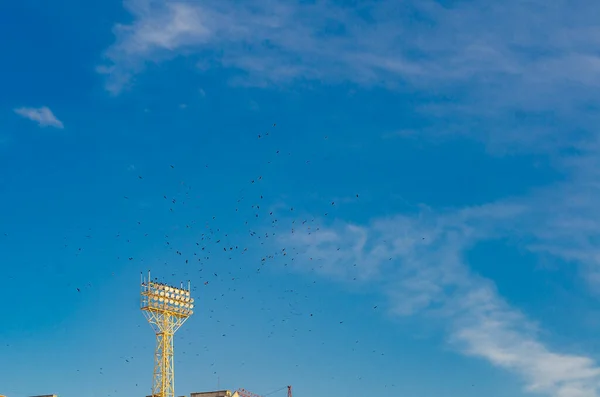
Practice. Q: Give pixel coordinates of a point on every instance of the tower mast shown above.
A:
(166, 308)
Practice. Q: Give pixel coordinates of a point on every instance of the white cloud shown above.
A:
(533, 46)
(43, 116)
(427, 273)
(518, 75)
(418, 262)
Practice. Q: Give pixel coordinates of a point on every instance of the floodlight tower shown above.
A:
(166, 308)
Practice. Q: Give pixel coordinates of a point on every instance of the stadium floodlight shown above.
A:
(166, 308)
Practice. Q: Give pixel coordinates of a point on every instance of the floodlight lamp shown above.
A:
(191, 306)
(161, 300)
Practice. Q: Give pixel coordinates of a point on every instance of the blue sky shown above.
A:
(391, 197)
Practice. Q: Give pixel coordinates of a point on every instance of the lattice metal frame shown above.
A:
(166, 308)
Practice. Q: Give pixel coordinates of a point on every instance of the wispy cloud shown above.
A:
(514, 74)
(43, 116)
(418, 262)
(272, 41)
(545, 46)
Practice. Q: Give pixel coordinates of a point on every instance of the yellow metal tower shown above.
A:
(166, 308)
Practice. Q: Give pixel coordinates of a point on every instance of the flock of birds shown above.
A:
(210, 256)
